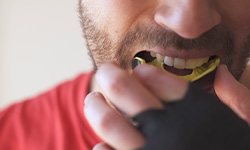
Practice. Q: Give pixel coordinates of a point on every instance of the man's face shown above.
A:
(176, 30)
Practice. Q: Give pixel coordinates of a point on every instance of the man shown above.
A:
(179, 29)
(116, 31)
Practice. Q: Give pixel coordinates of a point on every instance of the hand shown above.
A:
(232, 93)
(131, 94)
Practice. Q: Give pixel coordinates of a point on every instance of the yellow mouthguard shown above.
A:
(196, 74)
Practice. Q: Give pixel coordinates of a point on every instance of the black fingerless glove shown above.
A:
(198, 122)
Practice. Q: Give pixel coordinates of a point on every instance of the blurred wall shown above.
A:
(41, 44)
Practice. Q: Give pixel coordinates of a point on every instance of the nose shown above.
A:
(187, 18)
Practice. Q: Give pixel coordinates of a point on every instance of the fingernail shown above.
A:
(224, 67)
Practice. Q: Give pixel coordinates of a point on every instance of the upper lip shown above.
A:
(184, 54)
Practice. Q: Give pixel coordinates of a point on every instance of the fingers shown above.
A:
(163, 84)
(124, 91)
(109, 125)
(244, 79)
(102, 146)
(232, 93)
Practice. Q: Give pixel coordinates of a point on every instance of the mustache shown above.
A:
(217, 38)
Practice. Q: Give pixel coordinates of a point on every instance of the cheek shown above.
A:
(114, 16)
(235, 15)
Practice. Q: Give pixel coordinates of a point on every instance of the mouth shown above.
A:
(191, 69)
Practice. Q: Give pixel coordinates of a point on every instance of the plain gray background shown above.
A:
(41, 45)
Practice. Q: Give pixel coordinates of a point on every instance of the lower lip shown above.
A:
(206, 82)
(179, 72)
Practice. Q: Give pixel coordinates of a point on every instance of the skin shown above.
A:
(110, 28)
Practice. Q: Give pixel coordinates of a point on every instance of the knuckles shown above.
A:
(105, 122)
(118, 82)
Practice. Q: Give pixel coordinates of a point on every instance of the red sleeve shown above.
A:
(51, 121)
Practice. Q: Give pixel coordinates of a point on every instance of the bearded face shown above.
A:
(182, 36)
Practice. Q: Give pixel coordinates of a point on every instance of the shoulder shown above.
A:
(52, 116)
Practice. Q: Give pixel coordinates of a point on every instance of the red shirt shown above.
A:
(51, 121)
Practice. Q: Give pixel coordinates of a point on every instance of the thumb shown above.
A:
(232, 93)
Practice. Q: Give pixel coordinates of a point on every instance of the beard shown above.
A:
(102, 49)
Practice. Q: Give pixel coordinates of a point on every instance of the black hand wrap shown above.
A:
(198, 122)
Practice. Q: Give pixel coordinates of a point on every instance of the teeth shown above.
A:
(193, 63)
(179, 63)
(159, 58)
(153, 54)
(169, 61)
(182, 63)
